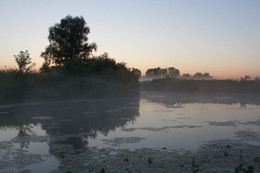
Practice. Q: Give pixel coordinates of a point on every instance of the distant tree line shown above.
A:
(172, 72)
(211, 86)
(197, 76)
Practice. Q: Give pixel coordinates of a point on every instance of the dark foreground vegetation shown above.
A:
(180, 85)
(18, 87)
(69, 71)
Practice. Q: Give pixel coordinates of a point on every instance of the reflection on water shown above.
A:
(44, 132)
(64, 127)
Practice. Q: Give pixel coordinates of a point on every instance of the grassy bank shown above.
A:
(177, 85)
(18, 87)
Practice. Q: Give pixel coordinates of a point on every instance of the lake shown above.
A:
(142, 134)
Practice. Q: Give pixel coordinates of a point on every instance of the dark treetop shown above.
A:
(68, 40)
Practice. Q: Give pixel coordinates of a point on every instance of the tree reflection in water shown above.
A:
(71, 123)
(175, 100)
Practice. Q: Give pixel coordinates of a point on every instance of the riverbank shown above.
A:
(213, 86)
(31, 87)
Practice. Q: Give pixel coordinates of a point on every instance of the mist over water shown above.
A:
(46, 133)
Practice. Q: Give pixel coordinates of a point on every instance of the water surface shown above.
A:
(35, 136)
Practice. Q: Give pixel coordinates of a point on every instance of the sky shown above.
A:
(221, 37)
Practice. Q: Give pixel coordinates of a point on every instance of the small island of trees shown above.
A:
(170, 80)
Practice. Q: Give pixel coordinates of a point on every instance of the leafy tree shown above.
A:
(137, 72)
(198, 75)
(68, 40)
(46, 64)
(207, 76)
(162, 72)
(150, 72)
(173, 72)
(186, 76)
(154, 72)
(23, 59)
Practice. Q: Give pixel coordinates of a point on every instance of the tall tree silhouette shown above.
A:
(68, 40)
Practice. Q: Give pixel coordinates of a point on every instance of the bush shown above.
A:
(57, 85)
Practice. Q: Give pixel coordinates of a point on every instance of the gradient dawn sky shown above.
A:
(221, 37)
